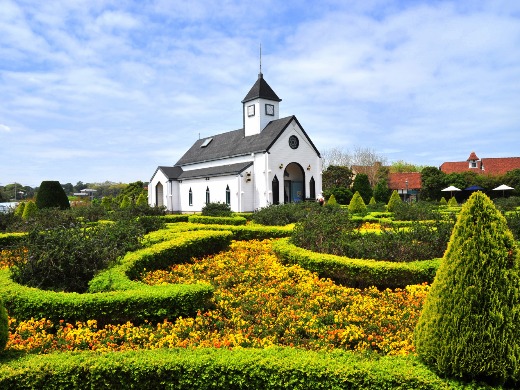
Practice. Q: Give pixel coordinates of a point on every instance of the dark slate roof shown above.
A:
(261, 90)
(235, 143)
(171, 173)
(222, 170)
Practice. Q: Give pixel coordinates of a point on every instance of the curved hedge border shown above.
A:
(10, 239)
(358, 273)
(126, 300)
(248, 232)
(217, 220)
(273, 368)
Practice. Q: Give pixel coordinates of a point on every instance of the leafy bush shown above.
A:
(469, 324)
(357, 205)
(443, 202)
(362, 185)
(323, 230)
(342, 195)
(217, 209)
(332, 200)
(50, 195)
(284, 214)
(507, 204)
(150, 223)
(513, 221)
(67, 258)
(395, 199)
(415, 211)
(4, 326)
(418, 242)
(18, 211)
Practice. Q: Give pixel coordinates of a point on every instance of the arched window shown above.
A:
(228, 196)
(207, 195)
(190, 198)
(312, 188)
(276, 190)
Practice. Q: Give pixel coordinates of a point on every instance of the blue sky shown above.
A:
(101, 90)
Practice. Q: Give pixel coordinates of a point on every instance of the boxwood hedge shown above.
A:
(358, 273)
(273, 368)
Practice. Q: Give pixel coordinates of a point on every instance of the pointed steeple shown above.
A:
(261, 90)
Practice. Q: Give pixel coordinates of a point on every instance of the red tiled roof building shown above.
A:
(493, 166)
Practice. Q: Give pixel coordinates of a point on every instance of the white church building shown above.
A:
(271, 160)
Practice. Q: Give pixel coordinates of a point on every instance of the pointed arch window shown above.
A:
(207, 195)
(228, 196)
(312, 188)
(276, 190)
(190, 197)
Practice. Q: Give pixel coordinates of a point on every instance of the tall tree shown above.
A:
(469, 323)
(362, 185)
(433, 181)
(337, 176)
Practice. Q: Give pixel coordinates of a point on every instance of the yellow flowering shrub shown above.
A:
(258, 302)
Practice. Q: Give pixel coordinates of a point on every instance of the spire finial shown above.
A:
(260, 60)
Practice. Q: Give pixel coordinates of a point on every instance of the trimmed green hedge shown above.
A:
(172, 218)
(273, 368)
(4, 326)
(10, 239)
(217, 220)
(358, 273)
(248, 232)
(114, 297)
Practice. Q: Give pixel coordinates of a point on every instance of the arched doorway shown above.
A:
(159, 198)
(294, 183)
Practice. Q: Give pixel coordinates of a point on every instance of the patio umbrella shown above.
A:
(474, 188)
(451, 189)
(503, 188)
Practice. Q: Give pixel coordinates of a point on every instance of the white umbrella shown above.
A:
(503, 188)
(451, 189)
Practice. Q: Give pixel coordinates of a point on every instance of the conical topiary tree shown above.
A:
(51, 194)
(394, 200)
(372, 201)
(470, 323)
(142, 200)
(453, 202)
(30, 210)
(443, 202)
(357, 205)
(4, 326)
(126, 202)
(18, 211)
(332, 200)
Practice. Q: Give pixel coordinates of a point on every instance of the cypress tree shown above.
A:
(372, 201)
(470, 323)
(394, 200)
(51, 194)
(362, 185)
(443, 202)
(30, 210)
(453, 202)
(332, 200)
(4, 326)
(357, 205)
(19, 209)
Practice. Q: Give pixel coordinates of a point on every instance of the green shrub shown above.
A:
(357, 273)
(443, 202)
(394, 201)
(452, 202)
(66, 259)
(217, 209)
(513, 221)
(50, 195)
(415, 211)
(4, 326)
(217, 220)
(507, 204)
(323, 230)
(150, 223)
(126, 202)
(342, 195)
(142, 200)
(469, 324)
(284, 214)
(30, 210)
(372, 202)
(357, 205)
(10, 239)
(174, 218)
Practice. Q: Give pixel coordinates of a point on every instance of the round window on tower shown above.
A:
(294, 142)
